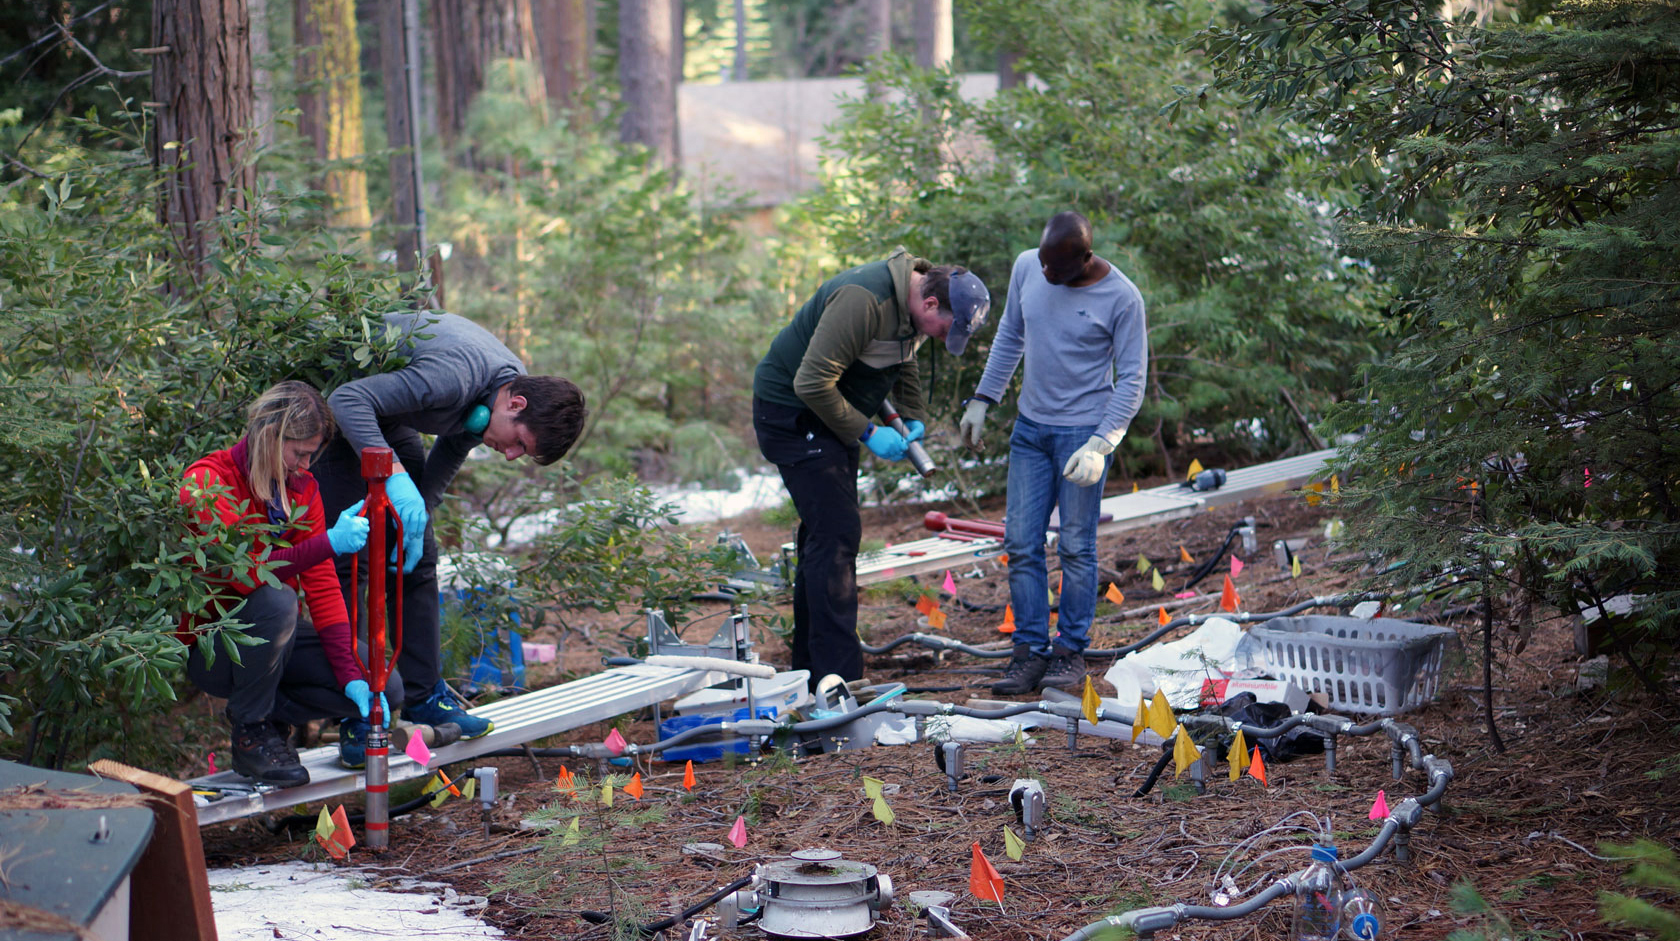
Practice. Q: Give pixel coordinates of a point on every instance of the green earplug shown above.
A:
(478, 419)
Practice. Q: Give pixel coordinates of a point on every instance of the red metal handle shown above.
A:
(940, 523)
(376, 469)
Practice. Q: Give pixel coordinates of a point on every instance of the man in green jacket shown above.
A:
(846, 351)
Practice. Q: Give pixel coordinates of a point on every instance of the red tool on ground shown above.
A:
(961, 528)
(376, 469)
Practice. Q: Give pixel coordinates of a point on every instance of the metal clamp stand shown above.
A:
(376, 469)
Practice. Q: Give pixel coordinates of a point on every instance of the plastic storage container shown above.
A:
(1383, 666)
(708, 751)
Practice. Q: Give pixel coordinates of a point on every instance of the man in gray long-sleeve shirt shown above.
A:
(1079, 324)
(466, 388)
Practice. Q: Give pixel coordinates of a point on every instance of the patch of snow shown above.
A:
(331, 903)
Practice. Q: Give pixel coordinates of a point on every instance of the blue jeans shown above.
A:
(1037, 454)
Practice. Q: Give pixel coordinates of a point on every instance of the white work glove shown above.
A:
(1086, 466)
(974, 418)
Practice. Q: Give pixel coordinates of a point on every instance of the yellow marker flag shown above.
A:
(1141, 720)
(1013, 846)
(1295, 567)
(1134, 486)
(441, 792)
(324, 826)
(1184, 555)
(872, 787)
(1335, 484)
(1185, 752)
(1156, 581)
(936, 619)
(470, 788)
(1090, 702)
(1195, 468)
(1238, 756)
(606, 794)
(1161, 715)
(1114, 594)
(571, 835)
(884, 813)
(1049, 595)
(1312, 493)
(1144, 564)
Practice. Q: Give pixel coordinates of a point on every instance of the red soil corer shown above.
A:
(376, 469)
(962, 529)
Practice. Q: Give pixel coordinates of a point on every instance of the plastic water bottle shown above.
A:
(1318, 898)
(1360, 919)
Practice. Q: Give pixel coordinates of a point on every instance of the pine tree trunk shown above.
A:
(563, 35)
(679, 53)
(398, 48)
(472, 35)
(738, 71)
(934, 44)
(330, 104)
(877, 27)
(262, 81)
(644, 70)
(201, 81)
(1007, 76)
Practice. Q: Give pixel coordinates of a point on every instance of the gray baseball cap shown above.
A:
(970, 301)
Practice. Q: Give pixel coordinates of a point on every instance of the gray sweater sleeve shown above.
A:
(357, 405)
(1008, 343)
(1131, 362)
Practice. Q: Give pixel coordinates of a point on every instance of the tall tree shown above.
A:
(738, 67)
(564, 38)
(201, 82)
(645, 80)
(934, 43)
(262, 79)
(877, 26)
(399, 65)
(474, 34)
(329, 64)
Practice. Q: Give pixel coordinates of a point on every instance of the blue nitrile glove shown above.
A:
(357, 691)
(886, 442)
(405, 499)
(915, 428)
(350, 533)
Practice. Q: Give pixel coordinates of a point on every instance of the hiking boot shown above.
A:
(442, 708)
(352, 742)
(284, 730)
(1066, 668)
(261, 754)
(1023, 672)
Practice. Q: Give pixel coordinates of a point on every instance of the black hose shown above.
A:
(1213, 560)
(1155, 773)
(654, 927)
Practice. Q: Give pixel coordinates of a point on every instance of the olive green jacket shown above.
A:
(851, 346)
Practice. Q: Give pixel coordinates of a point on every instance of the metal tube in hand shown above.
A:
(918, 455)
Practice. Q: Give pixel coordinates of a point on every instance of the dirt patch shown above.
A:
(1522, 826)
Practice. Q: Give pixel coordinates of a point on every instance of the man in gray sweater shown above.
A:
(464, 387)
(1079, 324)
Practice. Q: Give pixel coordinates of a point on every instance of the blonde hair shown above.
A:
(290, 411)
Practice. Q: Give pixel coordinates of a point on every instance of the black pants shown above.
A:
(339, 472)
(288, 678)
(820, 472)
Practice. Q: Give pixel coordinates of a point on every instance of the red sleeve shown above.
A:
(321, 590)
(218, 510)
(295, 560)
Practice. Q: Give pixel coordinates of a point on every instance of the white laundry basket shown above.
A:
(1382, 666)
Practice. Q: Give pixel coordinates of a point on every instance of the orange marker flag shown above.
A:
(936, 619)
(446, 783)
(1059, 575)
(688, 775)
(1257, 767)
(926, 605)
(1228, 599)
(324, 834)
(1008, 625)
(1114, 594)
(983, 879)
(343, 836)
(1162, 618)
(563, 780)
(1184, 555)
(634, 788)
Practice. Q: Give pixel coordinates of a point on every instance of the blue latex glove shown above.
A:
(358, 692)
(915, 428)
(886, 442)
(350, 533)
(405, 499)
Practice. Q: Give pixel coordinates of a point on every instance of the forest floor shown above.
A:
(1523, 826)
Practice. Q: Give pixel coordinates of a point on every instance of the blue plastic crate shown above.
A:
(708, 751)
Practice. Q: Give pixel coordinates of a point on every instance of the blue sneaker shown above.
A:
(352, 742)
(441, 707)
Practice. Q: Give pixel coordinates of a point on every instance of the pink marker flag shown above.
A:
(418, 751)
(950, 586)
(615, 743)
(1379, 807)
(213, 763)
(738, 833)
(1236, 566)
(1185, 594)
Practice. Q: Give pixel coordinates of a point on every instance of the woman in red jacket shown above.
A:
(304, 670)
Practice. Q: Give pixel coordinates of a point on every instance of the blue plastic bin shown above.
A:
(708, 751)
(501, 658)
